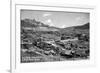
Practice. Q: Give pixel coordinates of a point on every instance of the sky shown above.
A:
(57, 19)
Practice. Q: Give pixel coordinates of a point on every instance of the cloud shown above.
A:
(80, 18)
(46, 14)
(49, 22)
(62, 26)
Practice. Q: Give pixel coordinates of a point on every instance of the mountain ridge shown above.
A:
(34, 24)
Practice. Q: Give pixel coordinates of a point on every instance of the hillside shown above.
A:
(85, 26)
(37, 25)
(29, 24)
(41, 42)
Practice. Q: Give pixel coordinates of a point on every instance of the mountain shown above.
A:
(36, 25)
(32, 23)
(85, 26)
(76, 29)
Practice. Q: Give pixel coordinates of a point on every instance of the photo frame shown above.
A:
(16, 64)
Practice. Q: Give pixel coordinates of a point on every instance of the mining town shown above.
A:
(43, 43)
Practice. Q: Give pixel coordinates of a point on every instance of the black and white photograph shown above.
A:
(50, 36)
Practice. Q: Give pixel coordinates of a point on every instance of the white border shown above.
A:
(17, 67)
